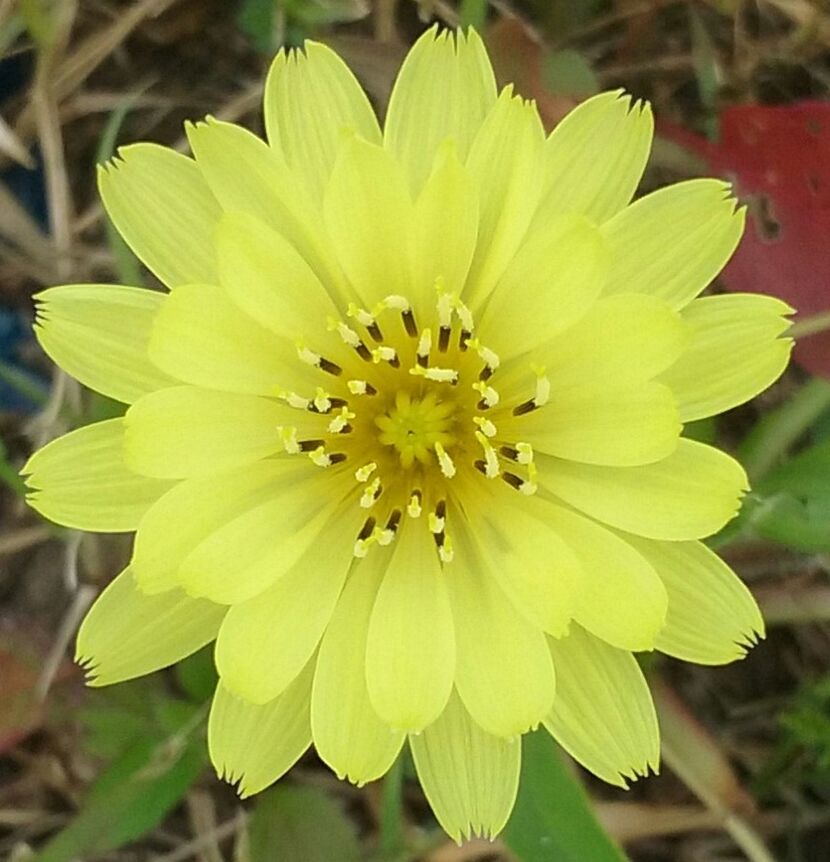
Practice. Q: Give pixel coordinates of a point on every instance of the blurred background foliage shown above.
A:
(739, 89)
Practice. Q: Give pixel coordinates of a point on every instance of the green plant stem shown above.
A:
(780, 429)
(391, 832)
(810, 325)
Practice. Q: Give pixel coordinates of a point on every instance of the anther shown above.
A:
(396, 302)
(464, 315)
(513, 480)
(296, 401)
(489, 396)
(363, 351)
(322, 403)
(413, 509)
(361, 387)
(524, 408)
(441, 509)
(308, 356)
(384, 353)
(529, 486)
(288, 435)
(365, 538)
(487, 427)
(439, 375)
(444, 333)
(394, 519)
(330, 367)
(348, 335)
(524, 453)
(445, 551)
(319, 457)
(542, 387)
(409, 324)
(337, 457)
(387, 535)
(365, 319)
(445, 304)
(464, 339)
(509, 452)
(363, 473)
(374, 330)
(491, 461)
(367, 529)
(444, 461)
(340, 423)
(310, 445)
(373, 490)
(424, 348)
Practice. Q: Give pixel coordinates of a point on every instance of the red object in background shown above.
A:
(779, 161)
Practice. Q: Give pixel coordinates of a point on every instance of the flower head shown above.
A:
(405, 434)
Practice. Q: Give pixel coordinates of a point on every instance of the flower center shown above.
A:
(410, 405)
(418, 427)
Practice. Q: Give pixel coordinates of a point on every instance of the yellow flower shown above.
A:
(404, 437)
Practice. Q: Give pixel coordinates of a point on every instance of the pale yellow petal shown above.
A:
(503, 671)
(128, 633)
(712, 617)
(348, 735)
(81, 481)
(409, 674)
(444, 229)
(621, 600)
(444, 89)
(469, 777)
(504, 163)
(161, 205)
(550, 283)
(311, 99)
(689, 495)
(192, 510)
(263, 543)
(368, 214)
(184, 431)
(735, 352)
(621, 340)
(99, 334)
(533, 565)
(595, 157)
(603, 715)
(252, 745)
(201, 336)
(673, 242)
(620, 426)
(246, 175)
(265, 642)
(269, 280)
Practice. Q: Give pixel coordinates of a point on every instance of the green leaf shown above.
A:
(197, 675)
(257, 19)
(301, 823)
(553, 819)
(9, 475)
(136, 791)
(791, 504)
(568, 73)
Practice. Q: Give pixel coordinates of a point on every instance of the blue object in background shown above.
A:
(28, 186)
